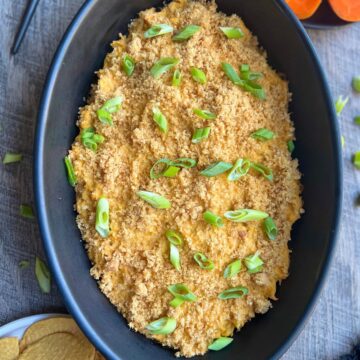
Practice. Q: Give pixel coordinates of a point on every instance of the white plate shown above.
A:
(17, 328)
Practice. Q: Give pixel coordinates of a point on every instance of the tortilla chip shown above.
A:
(9, 348)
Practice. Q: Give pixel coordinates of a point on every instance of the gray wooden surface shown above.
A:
(335, 324)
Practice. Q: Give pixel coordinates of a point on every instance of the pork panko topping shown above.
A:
(186, 190)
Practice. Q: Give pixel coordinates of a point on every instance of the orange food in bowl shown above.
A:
(348, 10)
(304, 9)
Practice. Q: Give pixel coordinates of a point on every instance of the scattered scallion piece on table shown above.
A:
(232, 32)
(175, 256)
(155, 200)
(356, 160)
(186, 33)
(102, 217)
(220, 343)
(160, 119)
(216, 168)
(70, 171)
(200, 134)
(213, 219)
(240, 168)
(158, 29)
(163, 326)
(232, 269)
(357, 120)
(202, 260)
(262, 134)
(198, 75)
(90, 139)
(110, 107)
(270, 228)
(163, 167)
(180, 292)
(186, 163)
(26, 211)
(244, 215)
(356, 83)
(43, 275)
(204, 114)
(12, 158)
(291, 146)
(128, 64)
(174, 237)
(263, 170)
(23, 264)
(162, 66)
(340, 104)
(253, 263)
(177, 77)
(233, 293)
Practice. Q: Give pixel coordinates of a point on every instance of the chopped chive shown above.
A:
(204, 114)
(174, 237)
(232, 269)
(90, 139)
(128, 65)
(231, 73)
(232, 32)
(356, 160)
(270, 228)
(233, 293)
(163, 167)
(23, 264)
(200, 134)
(43, 275)
(198, 75)
(357, 120)
(110, 107)
(155, 200)
(11, 158)
(181, 292)
(213, 219)
(186, 33)
(177, 77)
(253, 263)
(163, 326)
(291, 146)
(263, 170)
(26, 211)
(216, 168)
(340, 104)
(184, 163)
(240, 168)
(244, 215)
(102, 217)
(158, 29)
(246, 74)
(175, 256)
(160, 120)
(220, 343)
(162, 66)
(70, 171)
(262, 134)
(202, 260)
(356, 83)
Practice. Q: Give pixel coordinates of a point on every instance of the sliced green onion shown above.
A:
(356, 83)
(203, 261)
(200, 134)
(198, 75)
(26, 211)
(163, 326)
(175, 302)
(104, 116)
(11, 158)
(175, 257)
(232, 269)
(263, 170)
(111, 106)
(163, 167)
(246, 74)
(216, 168)
(290, 146)
(91, 140)
(356, 160)
(158, 29)
(43, 275)
(231, 73)
(240, 169)
(220, 343)
(181, 291)
(174, 237)
(155, 200)
(70, 171)
(128, 65)
(262, 134)
(184, 163)
(213, 219)
(255, 89)
(232, 32)
(340, 104)
(162, 66)
(357, 120)
(233, 293)
(204, 114)
(244, 215)
(102, 217)
(23, 264)
(177, 77)
(186, 33)
(160, 120)
(171, 171)
(270, 228)
(253, 263)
